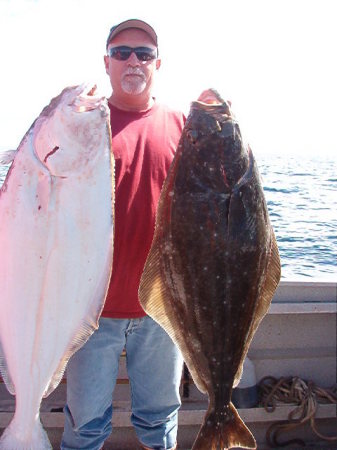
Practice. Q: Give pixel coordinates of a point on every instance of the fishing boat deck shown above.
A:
(296, 339)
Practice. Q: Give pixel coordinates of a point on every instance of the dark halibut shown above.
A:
(214, 264)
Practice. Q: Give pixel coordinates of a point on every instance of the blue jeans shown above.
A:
(154, 367)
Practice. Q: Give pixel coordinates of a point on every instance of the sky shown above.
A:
(275, 60)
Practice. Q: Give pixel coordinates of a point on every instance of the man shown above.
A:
(145, 135)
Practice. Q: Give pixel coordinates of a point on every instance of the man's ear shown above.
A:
(158, 63)
(106, 63)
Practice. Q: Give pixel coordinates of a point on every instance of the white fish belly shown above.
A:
(56, 246)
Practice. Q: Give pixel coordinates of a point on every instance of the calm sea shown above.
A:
(301, 195)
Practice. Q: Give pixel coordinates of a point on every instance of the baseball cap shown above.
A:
(132, 23)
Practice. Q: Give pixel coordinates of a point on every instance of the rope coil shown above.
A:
(304, 395)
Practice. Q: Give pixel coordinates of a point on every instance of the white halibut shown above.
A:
(56, 248)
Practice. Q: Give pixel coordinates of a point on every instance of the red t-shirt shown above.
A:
(143, 145)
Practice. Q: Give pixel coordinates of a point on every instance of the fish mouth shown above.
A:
(87, 99)
(211, 101)
(210, 97)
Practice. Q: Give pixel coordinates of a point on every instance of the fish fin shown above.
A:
(221, 431)
(5, 373)
(79, 340)
(157, 302)
(7, 156)
(14, 438)
(273, 275)
(83, 334)
(88, 326)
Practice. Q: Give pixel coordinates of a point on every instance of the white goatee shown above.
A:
(133, 81)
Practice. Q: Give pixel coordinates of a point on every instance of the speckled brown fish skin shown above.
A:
(214, 264)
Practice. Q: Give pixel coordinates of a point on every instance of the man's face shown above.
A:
(131, 77)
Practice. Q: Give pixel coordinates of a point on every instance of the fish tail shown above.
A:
(14, 438)
(223, 430)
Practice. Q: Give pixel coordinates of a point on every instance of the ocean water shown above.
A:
(301, 194)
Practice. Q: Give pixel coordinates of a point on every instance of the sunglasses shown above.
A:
(122, 53)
